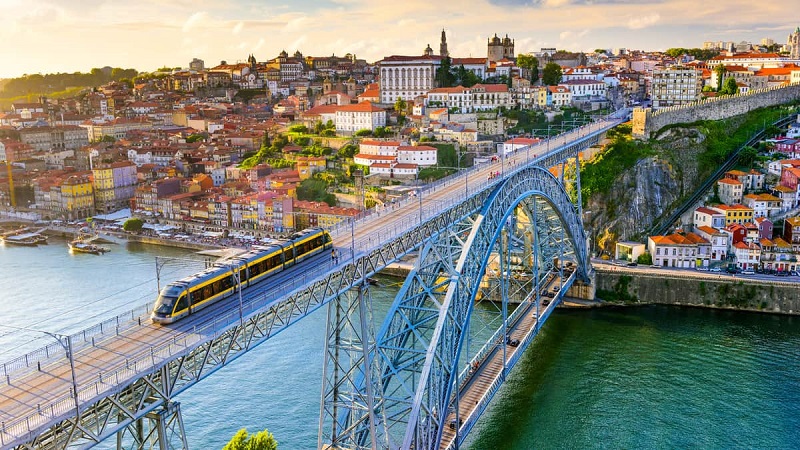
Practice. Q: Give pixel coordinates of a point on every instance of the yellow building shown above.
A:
(103, 185)
(77, 197)
(735, 214)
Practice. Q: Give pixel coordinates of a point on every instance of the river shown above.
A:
(650, 377)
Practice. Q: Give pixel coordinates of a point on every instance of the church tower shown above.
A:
(794, 44)
(443, 46)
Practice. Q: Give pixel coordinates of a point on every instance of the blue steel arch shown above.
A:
(420, 360)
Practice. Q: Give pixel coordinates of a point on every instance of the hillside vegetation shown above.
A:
(631, 184)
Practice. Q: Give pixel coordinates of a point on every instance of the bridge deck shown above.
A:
(488, 373)
(33, 397)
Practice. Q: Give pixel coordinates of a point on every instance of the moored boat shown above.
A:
(25, 239)
(79, 246)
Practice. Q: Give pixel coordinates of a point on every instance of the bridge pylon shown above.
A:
(161, 429)
(351, 408)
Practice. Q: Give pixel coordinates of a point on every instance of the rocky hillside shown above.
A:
(640, 195)
(632, 184)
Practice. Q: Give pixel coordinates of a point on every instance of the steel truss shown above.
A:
(147, 382)
(420, 341)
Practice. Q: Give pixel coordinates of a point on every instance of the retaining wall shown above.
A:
(647, 121)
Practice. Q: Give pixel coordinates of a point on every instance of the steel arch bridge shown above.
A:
(401, 391)
(120, 378)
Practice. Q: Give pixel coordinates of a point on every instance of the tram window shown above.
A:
(226, 282)
(182, 303)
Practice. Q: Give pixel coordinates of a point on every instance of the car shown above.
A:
(782, 273)
(453, 423)
(748, 272)
(703, 269)
(715, 269)
(793, 273)
(632, 264)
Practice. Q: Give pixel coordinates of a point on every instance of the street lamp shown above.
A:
(65, 341)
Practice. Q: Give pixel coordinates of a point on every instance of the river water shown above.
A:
(651, 377)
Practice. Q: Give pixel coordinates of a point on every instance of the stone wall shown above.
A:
(647, 121)
(716, 291)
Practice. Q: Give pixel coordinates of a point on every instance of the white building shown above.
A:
(490, 96)
(407, 77)
(763, 205)
(720, 242)
(421, 155)
(364, 115)
(458, 97)
(477, 66)
(748, 254)
(578, 73)
(676, 250)
(677, 85)
(707, 217)
(514, 144)
(372, 147)
(583, 88)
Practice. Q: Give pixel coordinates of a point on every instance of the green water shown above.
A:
(631, 378)
(652, 377)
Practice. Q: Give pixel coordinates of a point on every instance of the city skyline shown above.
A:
(51, 36)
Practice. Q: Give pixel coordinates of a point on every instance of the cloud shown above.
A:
(238, 27)
(195, 20)
(637, 23)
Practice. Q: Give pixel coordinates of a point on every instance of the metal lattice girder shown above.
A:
(109, 401)
(349, 416)
(420, 341)
(158, 430)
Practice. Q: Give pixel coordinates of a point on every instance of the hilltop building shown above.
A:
(500, 48)
(794, 44)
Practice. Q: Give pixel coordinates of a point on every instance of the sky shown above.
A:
(48, 36)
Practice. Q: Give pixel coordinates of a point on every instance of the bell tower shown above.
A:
(443, 46)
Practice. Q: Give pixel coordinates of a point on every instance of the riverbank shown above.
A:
(621, 286)
(635, 286)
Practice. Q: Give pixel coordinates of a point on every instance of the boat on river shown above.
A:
(85, 245)
(23, 239)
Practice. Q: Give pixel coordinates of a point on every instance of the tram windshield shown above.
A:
(166, 300)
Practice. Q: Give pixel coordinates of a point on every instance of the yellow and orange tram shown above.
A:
(188, 295)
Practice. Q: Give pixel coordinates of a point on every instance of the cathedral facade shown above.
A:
(500, 48)
(794, 44)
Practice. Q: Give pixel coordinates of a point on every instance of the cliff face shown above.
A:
(639, 196)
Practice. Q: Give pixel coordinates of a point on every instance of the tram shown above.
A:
(188, 295)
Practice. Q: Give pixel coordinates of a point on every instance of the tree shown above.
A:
(531, 63)
(729, 87)
(747, 156)
(719, 70)
(315, 190)
(551, 74)
(600, 50)
(645, 259)
(400, 107)
(463, 77)
(443, 76)
(263, 440)
(133, 224)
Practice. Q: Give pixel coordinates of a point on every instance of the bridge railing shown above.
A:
(101, 383)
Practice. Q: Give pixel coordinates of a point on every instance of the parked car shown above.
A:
(715, 269)
(748, 272)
